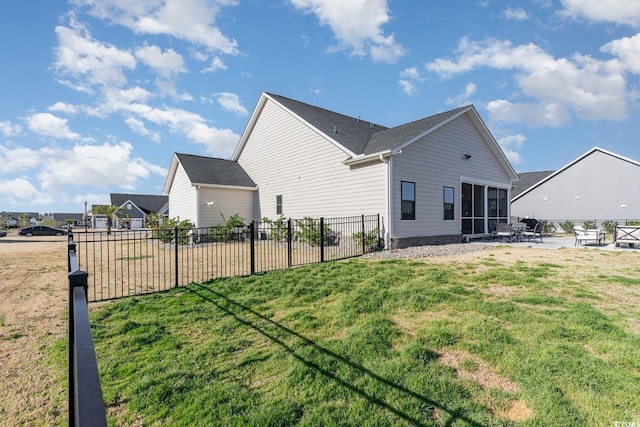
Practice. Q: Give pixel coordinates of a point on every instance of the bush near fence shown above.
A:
(567, 225)
(134, 262)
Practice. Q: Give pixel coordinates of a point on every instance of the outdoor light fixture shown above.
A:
(210, 203)
(467, 156)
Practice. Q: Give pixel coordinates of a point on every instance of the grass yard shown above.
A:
(535, 338)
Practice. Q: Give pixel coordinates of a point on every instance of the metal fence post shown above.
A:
(364, 245)
(289, 238)
(175, 235)
(252, 239)
(378, 245)
(322, 239)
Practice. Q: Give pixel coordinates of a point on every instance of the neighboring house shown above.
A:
(75, 219)
(433, 180)
(136, 208)
(599, 185)
(206, 190)
(13, 218)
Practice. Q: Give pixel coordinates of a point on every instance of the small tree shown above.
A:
(610, 226)
(278, 229)
(309, 231)
(589, 225)
(111, 213)
(25, 220)
(228, 231)
(567, 226)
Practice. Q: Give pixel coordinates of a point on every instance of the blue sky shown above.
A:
(96, 95)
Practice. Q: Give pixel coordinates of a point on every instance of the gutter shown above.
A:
(381, 156)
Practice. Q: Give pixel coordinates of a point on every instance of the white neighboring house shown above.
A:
(599, 185)
(433, 180)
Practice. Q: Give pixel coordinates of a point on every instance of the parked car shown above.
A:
(3, 233)
(41, 230)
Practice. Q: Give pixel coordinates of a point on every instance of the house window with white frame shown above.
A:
(407, 200)
(448, 203)
(279, 204)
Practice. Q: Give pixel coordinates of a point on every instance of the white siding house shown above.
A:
(599, 185)
(433, 180)
(206, 190)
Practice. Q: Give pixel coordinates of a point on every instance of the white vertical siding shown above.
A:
(286, 157)
(436, 161)
(594, 188)
(182, 197)
(228, 202)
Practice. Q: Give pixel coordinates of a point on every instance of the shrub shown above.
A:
(633, 223)
(610, 226)
(165, 232)
(371, 239)
(567, 226)
(228, 231)
(278, 229)
(309, 231)
(548, 227)
(589, 224)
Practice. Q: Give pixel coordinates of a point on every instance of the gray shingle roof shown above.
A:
(146, 202)
(527, 180)
(360, 136)
(352, 133)
(213, 171)
(391, 138)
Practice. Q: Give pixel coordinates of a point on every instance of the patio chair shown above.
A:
(504, 231)
(534, 234)
(584, 236)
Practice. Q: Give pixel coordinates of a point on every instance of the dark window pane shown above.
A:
(448, 203)
(467, 226)
(408, 200)
(467, 199)
(478, 200)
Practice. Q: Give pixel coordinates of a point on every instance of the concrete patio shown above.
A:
(558, 242)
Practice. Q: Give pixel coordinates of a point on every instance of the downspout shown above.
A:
(389, 194)
(197, 206)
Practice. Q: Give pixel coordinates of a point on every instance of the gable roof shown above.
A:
(147, 203)
(209, 171)
(528, 179)
(570, 164)
(362, 140)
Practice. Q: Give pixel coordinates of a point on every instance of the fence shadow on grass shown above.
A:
(220, 300)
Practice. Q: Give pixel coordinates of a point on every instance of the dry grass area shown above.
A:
(33, 285)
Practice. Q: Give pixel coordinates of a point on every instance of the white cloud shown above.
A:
(357, 25)
(47, 124)
(231, 102)
(409, 77)
(189, 20)
(63, 107)
(19, 191)
(17, 159)
(9, 129)
(137, 126)
(556, 88)
(90, 62)
(616, 11)
(627, 49)
(511, 145)
(216, 64)
(107, 165)
(167, 64)
(511, 14)
(463, 98)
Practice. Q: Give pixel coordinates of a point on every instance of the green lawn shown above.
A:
(376, 343)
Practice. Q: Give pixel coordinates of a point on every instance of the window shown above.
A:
(473, 212)
(279, 204)
(408, 200)
(448, 203)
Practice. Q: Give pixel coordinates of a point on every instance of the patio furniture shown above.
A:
(627, 234)
(535, 233)
(504, 230)
(583, 236)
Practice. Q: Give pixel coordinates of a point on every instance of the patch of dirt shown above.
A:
(482, 374)
(472, 367)
(33, 285)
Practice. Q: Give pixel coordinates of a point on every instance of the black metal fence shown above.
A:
(86, 404)
(134, 262)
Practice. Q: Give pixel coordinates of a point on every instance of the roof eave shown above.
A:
(228, 187)
(362, 158)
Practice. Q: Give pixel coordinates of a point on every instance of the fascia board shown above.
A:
(227, 187)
